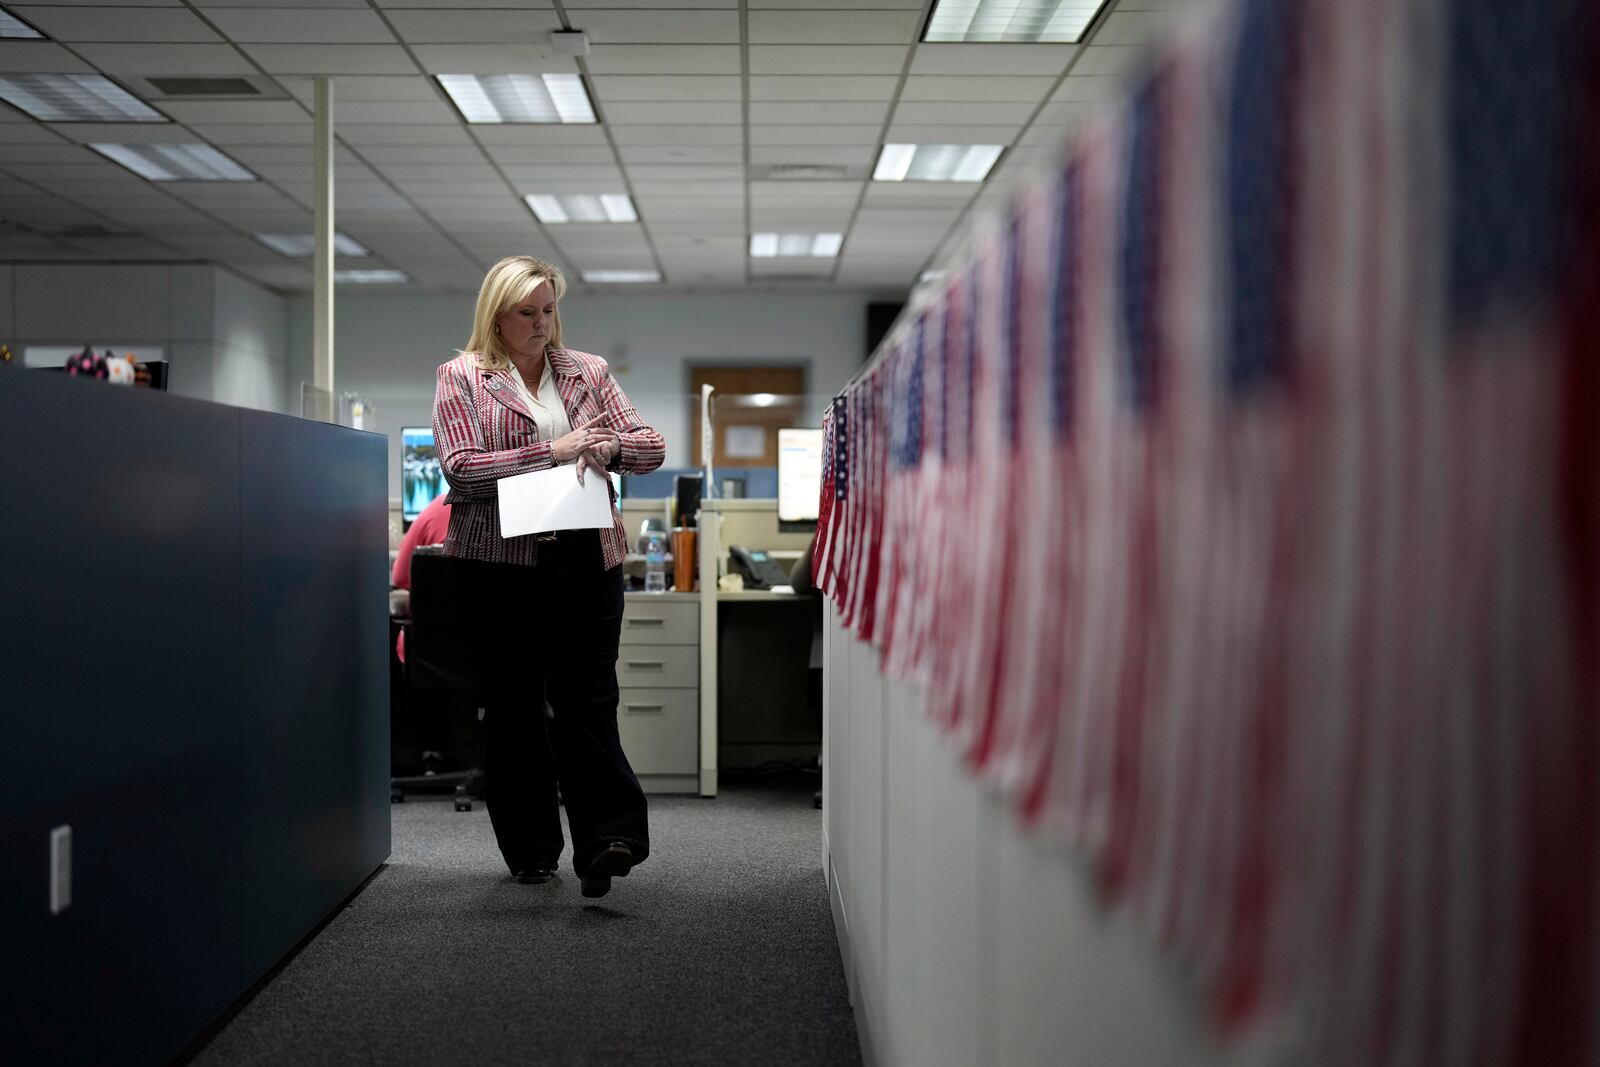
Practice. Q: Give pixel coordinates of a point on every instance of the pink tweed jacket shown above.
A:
(484, 433)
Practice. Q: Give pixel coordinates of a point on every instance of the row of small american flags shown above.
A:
(1236, 503)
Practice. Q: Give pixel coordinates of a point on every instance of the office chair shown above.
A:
(437, 661)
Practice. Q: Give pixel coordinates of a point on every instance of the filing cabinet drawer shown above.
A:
(660, 730)
(662, 622)
(659, 666)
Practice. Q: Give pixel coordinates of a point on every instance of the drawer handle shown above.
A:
(645, 664)
(646, 622)
(645, 707)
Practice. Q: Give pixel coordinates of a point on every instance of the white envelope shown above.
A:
(541, 501)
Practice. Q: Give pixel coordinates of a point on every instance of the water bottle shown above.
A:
(655, 563)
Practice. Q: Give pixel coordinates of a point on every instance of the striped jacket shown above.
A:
(484, 432)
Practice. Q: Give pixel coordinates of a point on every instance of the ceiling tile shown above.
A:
(939, 133)
(236, 111)
(661, 27)
(1009, 115)
(846, 155)
(710, 114)
(76, 24)
(597, 177)
(662, 172)
(673, 134)
(13, 133)
(663, 59)
(167, 60)
(787, 5)
(837, 87)
(1066, 113)
(613, 88)
(300, 25)
(332, 59)
(366, 87)
(30, 57)
(475, 27)
(843, 59)
(490, 59)
(837, 27)
(599, 153)
(410, 112)
(921, 87)
(230, 134)
(820, 134)
(979, 59)
(837, 113)
(632, 154)
(539, 134)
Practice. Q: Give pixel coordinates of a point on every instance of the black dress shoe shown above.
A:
(614, 861)
(534, 875)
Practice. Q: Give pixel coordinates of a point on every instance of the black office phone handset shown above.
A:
(760, 571)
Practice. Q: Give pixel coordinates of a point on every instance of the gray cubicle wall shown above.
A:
(193, 676)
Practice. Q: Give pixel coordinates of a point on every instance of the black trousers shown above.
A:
(550, 632)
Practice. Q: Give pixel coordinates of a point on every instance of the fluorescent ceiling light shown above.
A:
(175, 162)
(893, 162)
(370, 277)
(13, 28)
(519, 97)
(1047, 21)
(792, 245)
(74, 98)
(582, 207)
(935, 162)
(607, 277)
(304, 244)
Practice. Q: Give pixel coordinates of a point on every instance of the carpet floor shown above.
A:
(719, 949)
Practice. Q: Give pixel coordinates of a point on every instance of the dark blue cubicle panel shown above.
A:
(119, 559)
(193, 676)
(315, 678)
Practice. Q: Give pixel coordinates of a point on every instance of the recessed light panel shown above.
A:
(304, 244)
(935, 162)
(617, 277)
(370, 277)
(1044, 21)
(74, 98)
(582, 207)
(795, 245)
(175, 162)
(13, 28)
(519, 97)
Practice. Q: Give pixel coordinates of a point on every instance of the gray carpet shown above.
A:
(718, 950)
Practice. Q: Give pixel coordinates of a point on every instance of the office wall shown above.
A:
(965, 940)
(388, 345)
(193, 678)
(225, 337)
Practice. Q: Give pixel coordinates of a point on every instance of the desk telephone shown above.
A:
(760, 571)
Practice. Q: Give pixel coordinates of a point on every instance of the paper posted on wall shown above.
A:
(542, 501)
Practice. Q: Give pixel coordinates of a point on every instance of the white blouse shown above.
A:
(549, 414)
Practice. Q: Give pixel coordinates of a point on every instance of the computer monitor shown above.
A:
(421, 477)
(799, 479)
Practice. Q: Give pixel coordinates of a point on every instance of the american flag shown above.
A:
(1238, 505)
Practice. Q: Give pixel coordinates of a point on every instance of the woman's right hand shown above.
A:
(567, 448)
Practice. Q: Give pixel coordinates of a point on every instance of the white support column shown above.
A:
(322, 291)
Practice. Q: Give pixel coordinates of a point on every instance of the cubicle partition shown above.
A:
(192, 654)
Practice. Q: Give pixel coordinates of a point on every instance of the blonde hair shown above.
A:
(508, 283)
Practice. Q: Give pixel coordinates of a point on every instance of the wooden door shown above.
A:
(749, 407)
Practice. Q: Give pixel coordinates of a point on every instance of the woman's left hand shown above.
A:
(600, 454)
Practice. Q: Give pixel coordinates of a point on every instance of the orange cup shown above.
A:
(683, 560)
